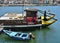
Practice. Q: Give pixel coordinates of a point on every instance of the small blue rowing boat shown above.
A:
(18, 35)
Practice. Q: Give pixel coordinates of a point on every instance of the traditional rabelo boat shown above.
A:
(28, 19)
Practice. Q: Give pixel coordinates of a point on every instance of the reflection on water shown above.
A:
(44, 34)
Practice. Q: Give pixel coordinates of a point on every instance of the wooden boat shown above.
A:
(28, 19)
(17, 35)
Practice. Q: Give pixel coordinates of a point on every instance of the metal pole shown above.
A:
(45, 15)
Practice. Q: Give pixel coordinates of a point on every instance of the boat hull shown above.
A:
(17, 35)
(16, 38)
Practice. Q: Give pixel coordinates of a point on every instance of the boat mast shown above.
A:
(45, 15)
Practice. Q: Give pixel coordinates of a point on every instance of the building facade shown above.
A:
(30, 1)
(16, 1)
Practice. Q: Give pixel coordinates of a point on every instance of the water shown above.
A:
(50, 34)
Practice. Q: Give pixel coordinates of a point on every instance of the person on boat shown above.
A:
(31, 35)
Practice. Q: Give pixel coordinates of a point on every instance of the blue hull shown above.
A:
(20, 38)
(17, 35)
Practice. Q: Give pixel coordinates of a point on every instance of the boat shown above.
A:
(17, 35)
(28, 19)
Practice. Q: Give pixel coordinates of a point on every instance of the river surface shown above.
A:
(50, 34)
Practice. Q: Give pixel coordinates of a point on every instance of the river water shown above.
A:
(50, 34)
